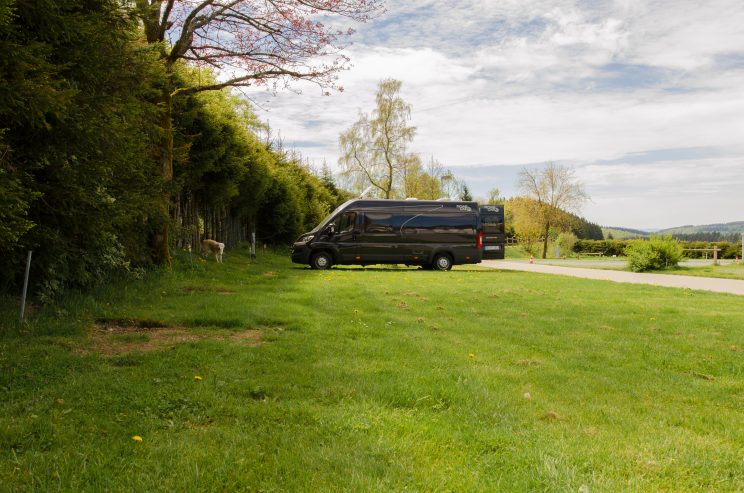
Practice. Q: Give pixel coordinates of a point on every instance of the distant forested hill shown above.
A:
(618, 233)
(705, 232)
(736, 227)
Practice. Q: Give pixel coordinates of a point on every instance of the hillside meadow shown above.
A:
(267, 376)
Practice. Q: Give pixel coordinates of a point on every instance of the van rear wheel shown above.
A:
(321, 261)
(442, 262)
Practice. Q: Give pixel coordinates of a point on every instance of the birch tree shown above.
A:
(374, 150)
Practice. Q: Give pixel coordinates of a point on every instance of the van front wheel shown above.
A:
(321, 261)
(442, 262)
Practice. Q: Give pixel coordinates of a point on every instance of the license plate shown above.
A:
(494, 247)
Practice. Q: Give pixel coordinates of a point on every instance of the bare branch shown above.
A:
(245, 80)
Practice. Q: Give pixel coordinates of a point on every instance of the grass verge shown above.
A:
(730, 271)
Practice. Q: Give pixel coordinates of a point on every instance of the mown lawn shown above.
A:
(271, 377)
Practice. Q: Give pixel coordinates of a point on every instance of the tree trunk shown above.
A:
(196, 238)
(545, 240)
(162, 248)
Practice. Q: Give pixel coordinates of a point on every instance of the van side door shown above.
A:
(379, 237)
(451, 232)
(345, 239)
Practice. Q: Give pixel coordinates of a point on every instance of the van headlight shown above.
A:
(307, 238)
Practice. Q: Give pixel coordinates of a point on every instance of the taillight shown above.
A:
(480, 240)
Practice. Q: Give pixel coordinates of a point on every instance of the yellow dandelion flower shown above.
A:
(653, 319)
(137, 438)
(471, 356)
(197, 377)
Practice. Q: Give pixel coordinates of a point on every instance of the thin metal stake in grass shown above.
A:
(25, 287)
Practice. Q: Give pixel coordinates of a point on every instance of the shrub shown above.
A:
(567, 241)
(731, 250)
(653, 254)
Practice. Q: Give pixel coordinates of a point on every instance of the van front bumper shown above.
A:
(301, 253)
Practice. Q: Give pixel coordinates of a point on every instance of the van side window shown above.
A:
(440, 223)
(347, 221)
(378, 223)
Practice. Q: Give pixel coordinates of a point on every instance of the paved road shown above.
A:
(731, 286)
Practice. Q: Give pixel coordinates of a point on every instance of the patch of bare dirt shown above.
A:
(114, 338)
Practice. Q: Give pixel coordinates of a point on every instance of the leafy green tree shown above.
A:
(566, 242)
(221, 168)
(74, 84)
(229, 184)
(526, 226)
(254, 42)
(15, 201)
(494, 196)
(552, 189)
(420, 183)
(281, 215)
(465, 193)
(32, 94)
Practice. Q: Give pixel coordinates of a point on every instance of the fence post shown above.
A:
(25, 287)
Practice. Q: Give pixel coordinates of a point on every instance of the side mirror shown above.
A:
(330, 230)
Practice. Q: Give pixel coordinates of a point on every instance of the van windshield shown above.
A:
(328, 218)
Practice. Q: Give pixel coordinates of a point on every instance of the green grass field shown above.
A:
(271, 377)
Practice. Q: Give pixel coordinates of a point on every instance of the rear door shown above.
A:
(494, 236)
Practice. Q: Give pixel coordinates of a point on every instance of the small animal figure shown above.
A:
(211, 246)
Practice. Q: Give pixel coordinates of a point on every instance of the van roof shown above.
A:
(422, 205)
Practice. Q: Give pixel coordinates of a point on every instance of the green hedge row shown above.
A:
(617, 247)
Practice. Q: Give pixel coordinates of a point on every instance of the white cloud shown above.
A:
(667, 193)
(515, 81)
(686, 35)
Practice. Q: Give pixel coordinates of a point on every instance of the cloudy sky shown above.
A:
(644, 98)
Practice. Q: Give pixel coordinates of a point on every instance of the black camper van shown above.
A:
(432, 234)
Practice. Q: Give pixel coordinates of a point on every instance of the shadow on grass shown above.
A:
(395, 268)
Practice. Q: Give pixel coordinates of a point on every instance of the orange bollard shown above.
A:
(532, 259)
